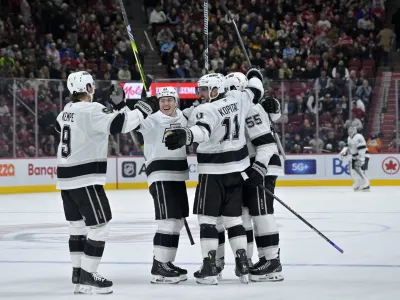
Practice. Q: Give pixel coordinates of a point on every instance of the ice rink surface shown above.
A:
(34, 257)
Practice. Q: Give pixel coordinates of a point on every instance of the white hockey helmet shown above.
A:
(211, 81)
(352, 131)
(78, 82)
(236, 81)
(167, 91)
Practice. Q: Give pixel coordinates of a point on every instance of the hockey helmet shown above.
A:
(236, 81)
(211, 81)
(167, 91)
(79, 82)
(352, 131)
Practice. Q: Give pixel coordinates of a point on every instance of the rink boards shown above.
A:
(39, 175)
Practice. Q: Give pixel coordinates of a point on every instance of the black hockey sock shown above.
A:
(92, 255)
(165, 246)
(208, 239)
(237, 238)
(76, 248)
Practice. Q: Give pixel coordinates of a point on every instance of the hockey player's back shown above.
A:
(225, 151)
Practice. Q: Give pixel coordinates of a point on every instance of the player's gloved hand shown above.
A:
(358, 163)
(116, 96)
(343, 153)
(177, 138)
(254, 72)
(148, 106)
(256, 174)
(271, 105)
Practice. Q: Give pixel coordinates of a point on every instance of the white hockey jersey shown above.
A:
(84, 128)
(261, 141)
(163, 164)
(357, 147)
(225, 151)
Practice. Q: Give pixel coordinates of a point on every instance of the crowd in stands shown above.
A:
(44, 41)
(308, 50)
(319, 58)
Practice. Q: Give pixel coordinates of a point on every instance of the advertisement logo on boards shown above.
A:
(339, 168)
(129, 169)
(300, 166)
(7, 170)
(391, 165)
(41, 171)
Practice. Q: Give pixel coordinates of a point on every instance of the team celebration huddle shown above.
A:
(238, 158)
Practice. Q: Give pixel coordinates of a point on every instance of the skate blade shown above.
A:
(183, 277)
(273, 277)
(219, 276)
(210, 280)
(244, 278)
(87, 289)
(158, 279)
(365, 190)
(76, 288)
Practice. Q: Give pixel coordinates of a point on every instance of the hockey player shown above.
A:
(357, 148)
(222, 155)
(166, 174)
(81, 173)
(258, 206)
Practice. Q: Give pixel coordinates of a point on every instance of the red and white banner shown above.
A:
(186, 90)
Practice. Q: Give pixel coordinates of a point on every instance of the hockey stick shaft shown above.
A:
(206, 35)
(245, 177)
(133, 44)
(223, 5)
(189, 233)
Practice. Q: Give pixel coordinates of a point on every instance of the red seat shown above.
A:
(369, 63)
(355, 63)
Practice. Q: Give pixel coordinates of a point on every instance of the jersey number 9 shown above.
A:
(66, 141)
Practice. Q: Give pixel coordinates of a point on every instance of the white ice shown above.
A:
(34, 258)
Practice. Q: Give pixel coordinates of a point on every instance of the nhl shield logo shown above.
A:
(129, 169)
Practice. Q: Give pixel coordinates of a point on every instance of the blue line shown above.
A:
(197, 263)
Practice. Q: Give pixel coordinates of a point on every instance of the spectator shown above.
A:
(317, 144)
(386, 38)
(285, 72)
(157, 16)
(364, 92)
(4, 111)
(342, 70)
(396, 23)
(124, 74)
(354, 122)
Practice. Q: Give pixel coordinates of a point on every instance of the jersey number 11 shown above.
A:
(227, 124)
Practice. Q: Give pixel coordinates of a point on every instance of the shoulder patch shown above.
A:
(107, 110)
(199, 115)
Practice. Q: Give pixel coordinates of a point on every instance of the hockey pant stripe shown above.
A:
(95, 202)
(162, 204)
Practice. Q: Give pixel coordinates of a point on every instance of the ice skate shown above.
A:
(163, 273)
(76, 275)
(220, 266)
(242, 266)
(94, 283)
(182, 272)
(208, 272)
(266, 270)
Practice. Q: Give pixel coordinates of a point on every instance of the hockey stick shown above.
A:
(133, 44)
(206, 35)
(189, 233)
(245, 177)
(223, 4)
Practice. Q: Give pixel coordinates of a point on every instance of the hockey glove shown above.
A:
(256, 174)
(177, 138)
(116, 97)
(148, 106)
(254, 72)
(343, 153)
(357, 163)
(270, 105)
